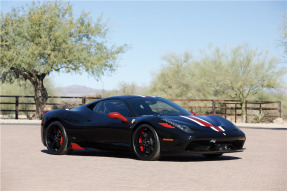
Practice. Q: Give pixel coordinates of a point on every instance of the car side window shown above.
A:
(108, 106)
(98, 108)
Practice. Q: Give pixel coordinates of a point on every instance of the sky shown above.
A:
(153, 29)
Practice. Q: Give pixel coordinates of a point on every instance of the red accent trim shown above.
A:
(167, 125)
(206, 124)
(117, 115)
(76, 146)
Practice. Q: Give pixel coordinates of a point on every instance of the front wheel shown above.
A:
(145, 143)
(56, 139)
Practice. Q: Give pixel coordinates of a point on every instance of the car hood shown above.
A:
(211, 123)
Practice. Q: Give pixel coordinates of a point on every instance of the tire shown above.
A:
(56, 139)
(212, 155)
(145, 143)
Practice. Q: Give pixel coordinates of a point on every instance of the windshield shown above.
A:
(156, 106)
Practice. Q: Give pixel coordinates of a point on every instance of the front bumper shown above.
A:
(215, 145)
(205, 143)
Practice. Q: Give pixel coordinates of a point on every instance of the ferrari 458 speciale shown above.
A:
(149, 126)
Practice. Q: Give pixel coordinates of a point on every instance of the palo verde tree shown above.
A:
(179, 79)
(240, 72)
(219, 74)
(45, 37)
(173, 79)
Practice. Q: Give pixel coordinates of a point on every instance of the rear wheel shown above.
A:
(146, 143)
(57, 139)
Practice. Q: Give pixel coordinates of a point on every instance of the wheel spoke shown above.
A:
(53, 144)
(142, 136)
(58, 134)
(49, 136)
(150, 135)
(139, 144)
(144, 149)
(58, 144)
(55, 130)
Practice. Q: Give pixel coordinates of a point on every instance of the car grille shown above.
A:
(208, 145)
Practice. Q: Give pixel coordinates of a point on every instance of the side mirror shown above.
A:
(117, 115)
(192, 113)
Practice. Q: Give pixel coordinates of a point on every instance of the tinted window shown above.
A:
(156, 106)
(106, 107)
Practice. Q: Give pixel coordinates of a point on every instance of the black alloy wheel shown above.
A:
(146, 143)
(57, 139)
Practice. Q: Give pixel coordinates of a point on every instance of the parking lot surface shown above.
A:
(26, 165)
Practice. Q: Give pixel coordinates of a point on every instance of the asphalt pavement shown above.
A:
(26, 165)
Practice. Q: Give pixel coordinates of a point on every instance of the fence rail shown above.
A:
(210, 107)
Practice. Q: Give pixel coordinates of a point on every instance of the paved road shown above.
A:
(27, 166)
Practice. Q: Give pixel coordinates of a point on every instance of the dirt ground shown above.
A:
(26, 165)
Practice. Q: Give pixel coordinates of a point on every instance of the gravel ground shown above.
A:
(26, 165)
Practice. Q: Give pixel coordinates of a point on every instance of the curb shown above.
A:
(20, 121)
(262, 125)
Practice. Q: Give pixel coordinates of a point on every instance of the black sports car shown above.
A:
(150, 126)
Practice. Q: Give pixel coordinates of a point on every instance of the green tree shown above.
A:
(126, 88)
(240, 72)
(219, 74)
(173, 80)
(45, 37)
(179, 79)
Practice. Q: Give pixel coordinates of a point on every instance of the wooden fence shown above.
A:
(222, 108)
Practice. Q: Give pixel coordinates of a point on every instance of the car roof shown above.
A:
(121, 97)
(127, 96)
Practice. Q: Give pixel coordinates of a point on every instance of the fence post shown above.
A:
(246, 111)
(225, 110)
(16, 107)
(279, 108)
(83, 100)
(213, 107)
(235, 112)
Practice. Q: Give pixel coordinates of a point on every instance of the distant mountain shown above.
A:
(77, 90)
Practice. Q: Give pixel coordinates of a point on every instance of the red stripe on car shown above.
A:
(206, 124)
(167, 125)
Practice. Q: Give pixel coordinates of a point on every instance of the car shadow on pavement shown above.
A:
(99, 153)
(196, 158)
(130, 155)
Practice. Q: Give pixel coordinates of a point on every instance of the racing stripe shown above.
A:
(186, 117)
(204, 123)
(221, 128)
(207, 124)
